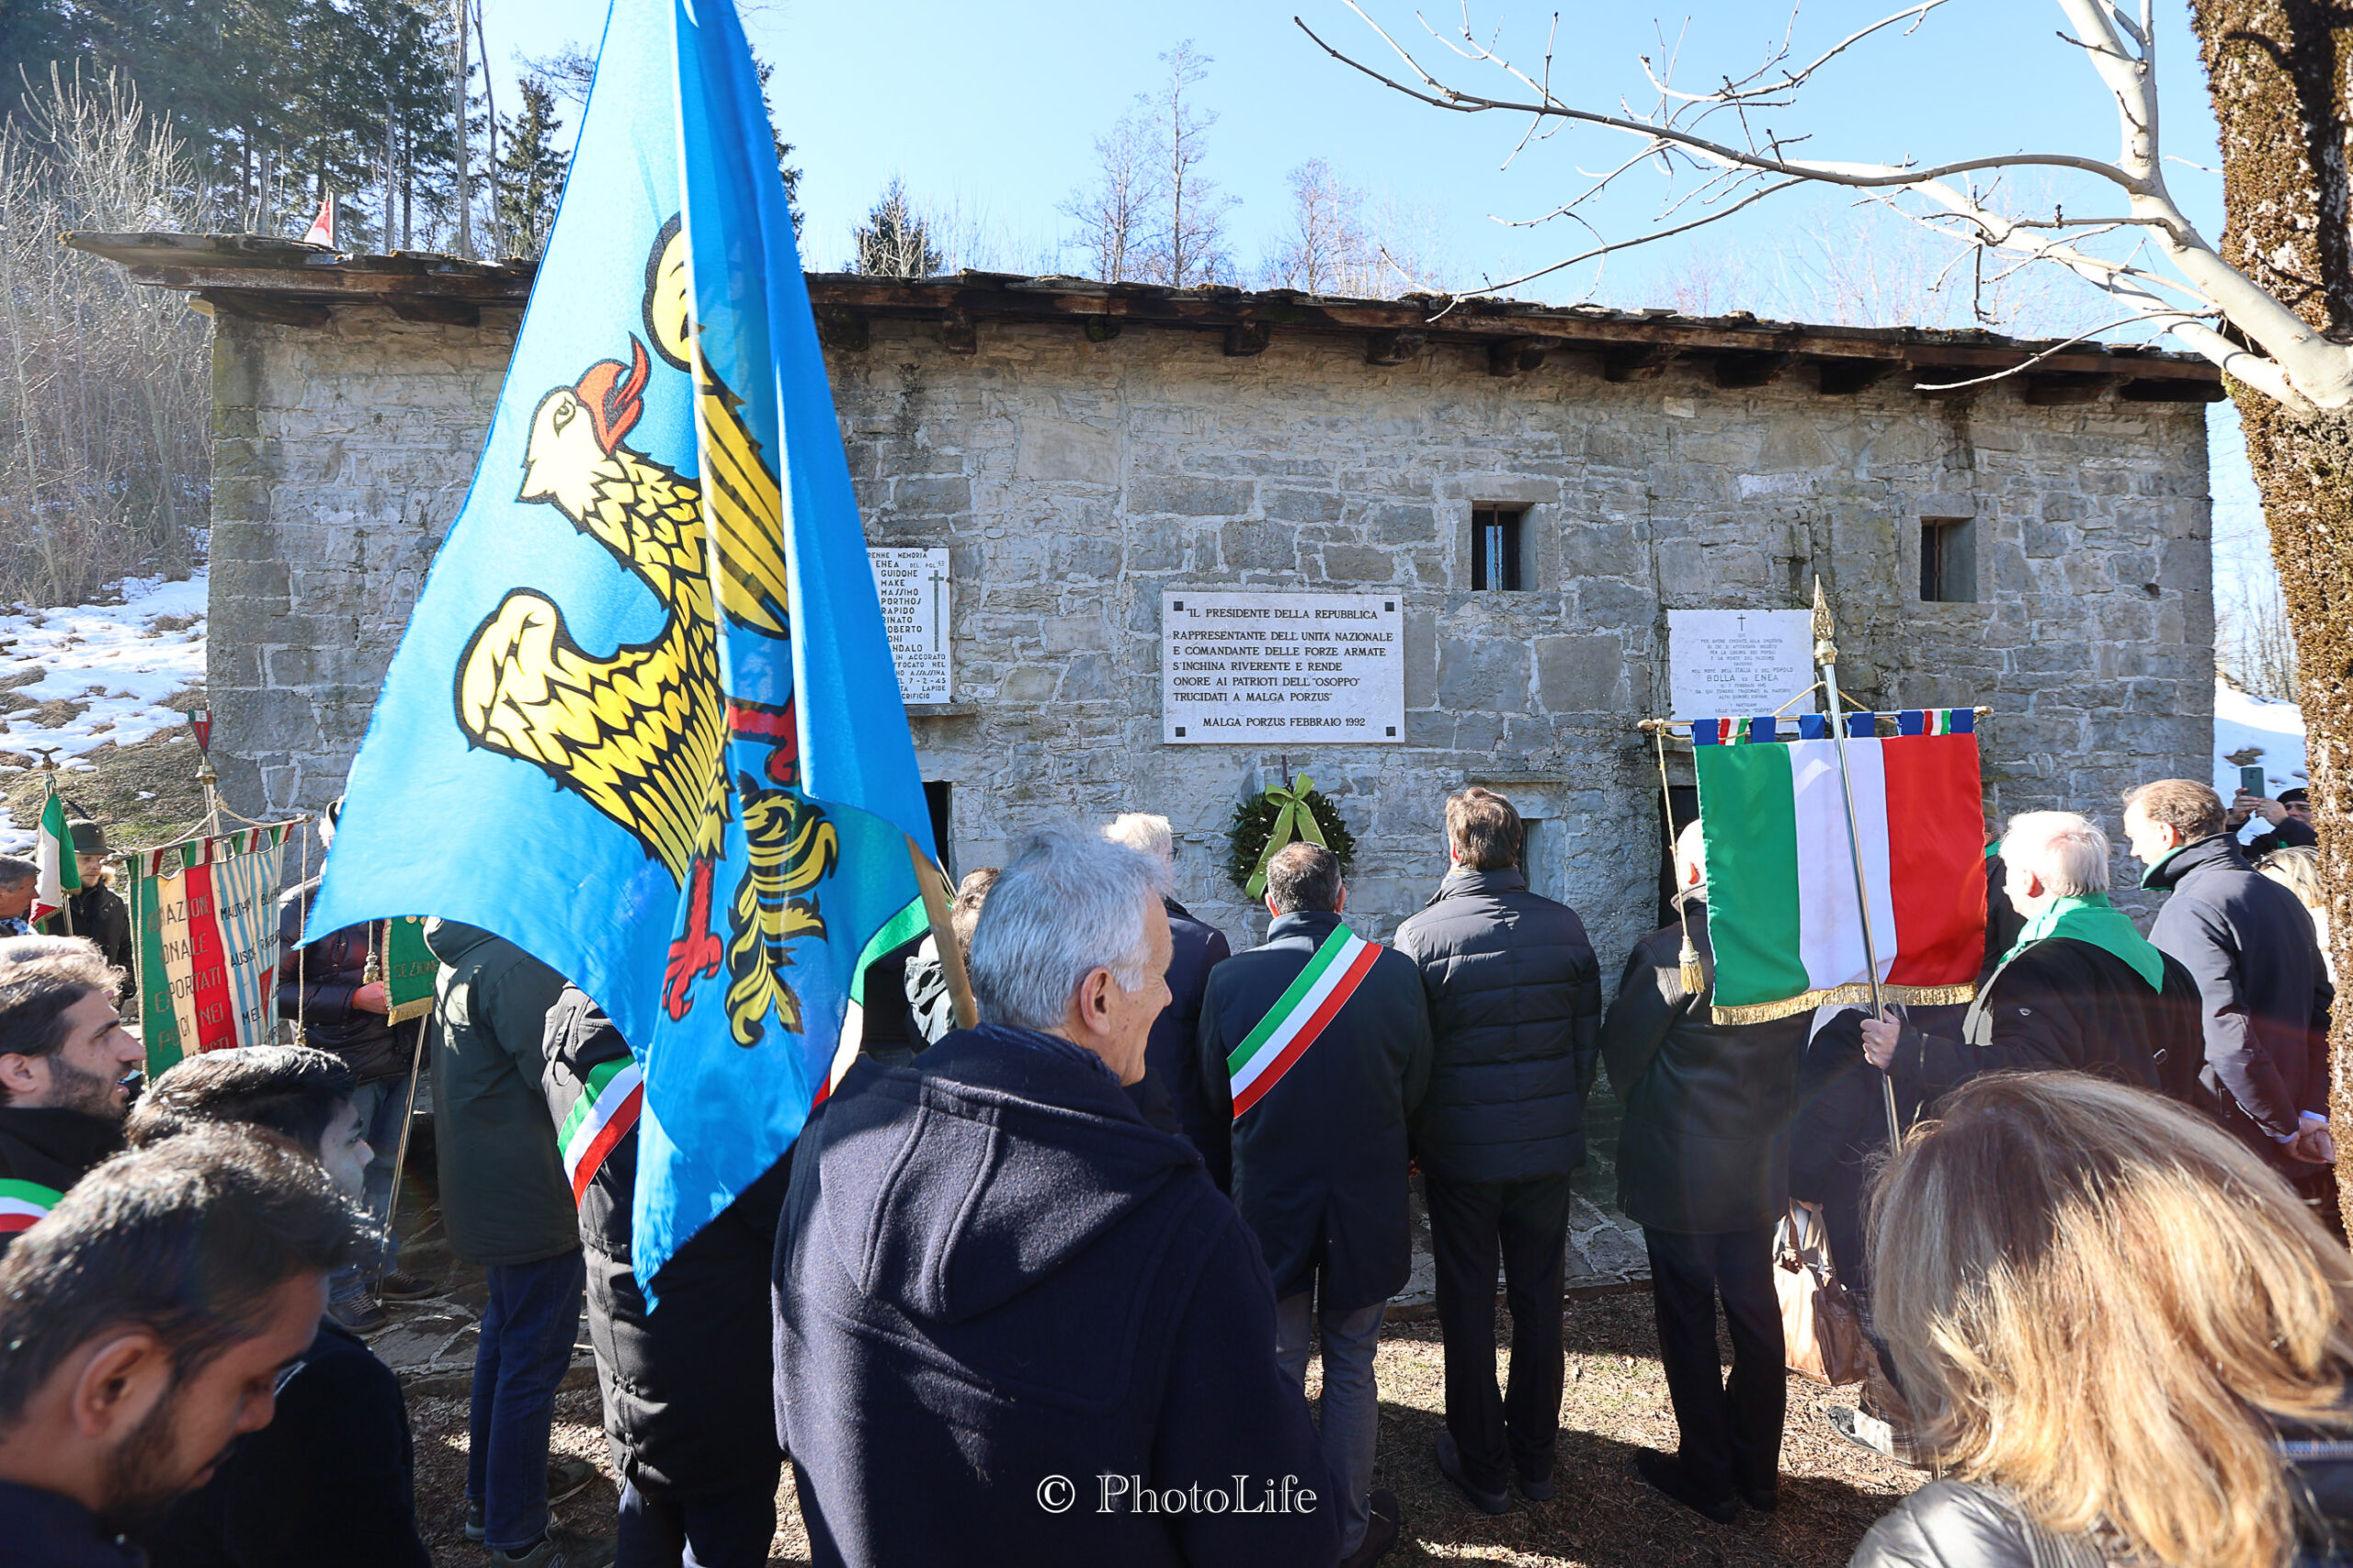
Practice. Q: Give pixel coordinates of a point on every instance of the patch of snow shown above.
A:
(2243, 723)
(113, 659)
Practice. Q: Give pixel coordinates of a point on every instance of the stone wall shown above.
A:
(1075, 481)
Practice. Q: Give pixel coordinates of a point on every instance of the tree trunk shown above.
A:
(2277, 72)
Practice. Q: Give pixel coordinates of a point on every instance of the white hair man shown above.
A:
(1171, 1095)
(2082, 988)
(995, 1281)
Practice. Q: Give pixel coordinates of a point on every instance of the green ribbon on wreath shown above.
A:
(1294, 818)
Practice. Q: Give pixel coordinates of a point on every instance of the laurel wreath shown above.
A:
(1255, 820)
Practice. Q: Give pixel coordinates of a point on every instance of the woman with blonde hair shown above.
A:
(2297, 868)
(2123, 1339)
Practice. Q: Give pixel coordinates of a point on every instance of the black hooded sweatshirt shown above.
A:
(992, 1279)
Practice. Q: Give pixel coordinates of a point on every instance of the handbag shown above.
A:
(1820, 1327)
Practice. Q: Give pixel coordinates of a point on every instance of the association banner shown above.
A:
(204, 913)
(410, 967)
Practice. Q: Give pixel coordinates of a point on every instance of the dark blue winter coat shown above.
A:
(1195, 948)
(1319, 1162)
(993, 1278)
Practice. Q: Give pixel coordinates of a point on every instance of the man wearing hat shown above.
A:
(98, 911)
(323, 990)
(2290, 819)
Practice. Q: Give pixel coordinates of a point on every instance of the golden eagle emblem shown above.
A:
(641, 733)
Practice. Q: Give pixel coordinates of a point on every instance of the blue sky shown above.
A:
(989, 114)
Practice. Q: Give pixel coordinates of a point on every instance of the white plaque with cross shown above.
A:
(912, 586)
(1739, 663)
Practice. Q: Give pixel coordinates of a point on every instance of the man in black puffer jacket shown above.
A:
(1703, 1168)
(1006, 1307)
(1515, 996)
(691, 1429)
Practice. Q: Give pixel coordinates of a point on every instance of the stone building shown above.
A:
(1537, 488)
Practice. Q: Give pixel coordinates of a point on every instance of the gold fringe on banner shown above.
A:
(1857, 994)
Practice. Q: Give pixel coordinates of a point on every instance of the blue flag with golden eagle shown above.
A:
(643, 722)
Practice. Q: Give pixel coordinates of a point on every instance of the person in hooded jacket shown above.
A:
(1015, 1324)
(1703, 1168)
(507, 1206)
(2082, 989)
(1316, 1126)
(692, 1437)
(2125, 1339)
(1515, 1003)
(2265, 992)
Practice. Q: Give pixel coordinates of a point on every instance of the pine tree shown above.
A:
(531, 170)
(896, 241)
(783, 149)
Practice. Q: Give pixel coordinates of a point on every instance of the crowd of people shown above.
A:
(1045, 1289)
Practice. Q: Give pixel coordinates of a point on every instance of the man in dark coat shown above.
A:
(97, 913)
(1007, 1308)
(324, 991)
(2082, 989)
(692, 1433)
(1703, 1168)
(1515, 1000)
(333, 1477)
(2250, 946)
(1318, 1148)
(63, 1054)
(507, 1206)
(1173, 1095)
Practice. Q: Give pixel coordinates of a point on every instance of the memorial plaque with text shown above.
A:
(1739, 663)
(912, 586)
(1252, 668)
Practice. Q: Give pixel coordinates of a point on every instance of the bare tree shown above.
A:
(1115, 213)
(2272, 305)
(1327, 250)
(1190, 248)
(105, 408)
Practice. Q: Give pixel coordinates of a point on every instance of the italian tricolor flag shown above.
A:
(600, 1118)
(54, 855)
(24, 1202)
(1782, 914)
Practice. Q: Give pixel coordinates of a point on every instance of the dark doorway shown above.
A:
(940, 798)
(1683, 800)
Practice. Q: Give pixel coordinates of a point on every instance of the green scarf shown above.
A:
(2091, 919)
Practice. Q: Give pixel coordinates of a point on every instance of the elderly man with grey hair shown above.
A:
(1017, 1324)
(2082, 988)
(1172, 1095)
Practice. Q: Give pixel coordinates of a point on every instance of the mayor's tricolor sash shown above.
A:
(22, 1203)
(600, 1118)
(1313, 1000)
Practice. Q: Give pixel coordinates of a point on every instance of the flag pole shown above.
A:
(1825, 654)
(936, 898)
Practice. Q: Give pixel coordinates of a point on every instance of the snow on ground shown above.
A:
(112, 658)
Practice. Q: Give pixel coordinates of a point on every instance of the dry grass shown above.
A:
(1601, 1517)
(145, 794)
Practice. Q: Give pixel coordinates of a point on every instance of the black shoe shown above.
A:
(401, 1286)
(1379, 1532)
(1662, 1473)
(1537, 1488)
(1764, 1499)
(1450, 1465)
(567, 1479)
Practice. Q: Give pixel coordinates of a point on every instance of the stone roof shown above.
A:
(292, 283)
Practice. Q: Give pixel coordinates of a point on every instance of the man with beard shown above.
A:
(332, 1479)
(148, 1318)
(63, 1054)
